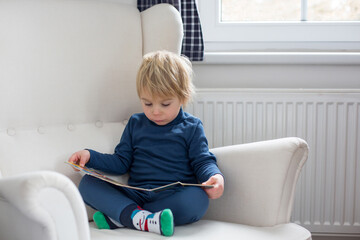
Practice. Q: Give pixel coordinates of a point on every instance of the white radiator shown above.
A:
(327, 199)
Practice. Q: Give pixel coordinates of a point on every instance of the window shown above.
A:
(290, 10)
(281, 25)
(260, 10)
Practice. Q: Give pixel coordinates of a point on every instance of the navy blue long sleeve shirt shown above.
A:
(157, 155)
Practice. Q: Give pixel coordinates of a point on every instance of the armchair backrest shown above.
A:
(67, 75)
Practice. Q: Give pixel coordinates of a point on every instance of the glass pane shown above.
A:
(333, 10)
(260, 10)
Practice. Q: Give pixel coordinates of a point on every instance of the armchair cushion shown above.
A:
(211, 230)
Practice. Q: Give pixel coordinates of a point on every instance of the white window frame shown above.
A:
(275, 36)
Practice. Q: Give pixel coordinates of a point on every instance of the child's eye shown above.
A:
(165, 104)
(148, 104)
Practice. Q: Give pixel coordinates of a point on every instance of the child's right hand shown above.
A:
(80, 158)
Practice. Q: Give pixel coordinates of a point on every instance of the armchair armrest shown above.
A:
(260, 180)
(41, 205)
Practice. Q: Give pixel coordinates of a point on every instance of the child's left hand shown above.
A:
(217, 191)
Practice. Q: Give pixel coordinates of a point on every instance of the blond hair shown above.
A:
(165, 74)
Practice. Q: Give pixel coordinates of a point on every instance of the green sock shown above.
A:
(167, 223)
(100, 220)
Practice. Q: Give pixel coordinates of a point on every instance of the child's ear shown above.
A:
(183, 102)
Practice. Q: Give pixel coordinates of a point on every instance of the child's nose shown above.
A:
(156, 111)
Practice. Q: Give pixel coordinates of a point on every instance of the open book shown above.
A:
(112, 181)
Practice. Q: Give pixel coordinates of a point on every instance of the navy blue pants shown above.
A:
(188, 204)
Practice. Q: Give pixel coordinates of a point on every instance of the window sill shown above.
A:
(304, 58)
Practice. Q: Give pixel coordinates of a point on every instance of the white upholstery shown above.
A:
(262, 183)
(211, 230)
(45, 205)
(67, 82)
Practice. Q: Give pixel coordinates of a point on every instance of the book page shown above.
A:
(96, 174)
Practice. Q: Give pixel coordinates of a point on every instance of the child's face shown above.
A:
(160, 110)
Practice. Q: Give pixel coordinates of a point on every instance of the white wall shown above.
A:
(276, 76)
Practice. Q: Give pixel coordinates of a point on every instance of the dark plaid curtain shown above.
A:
(193, 44)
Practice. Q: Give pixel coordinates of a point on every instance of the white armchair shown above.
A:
(67, 81)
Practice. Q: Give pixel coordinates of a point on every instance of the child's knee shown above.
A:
(86, 184)
(193, 208)
(201, 201)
